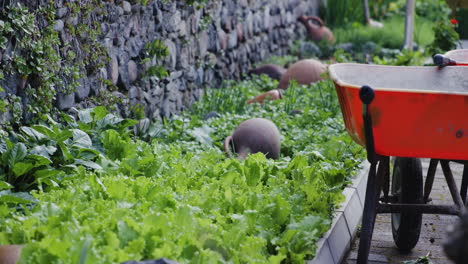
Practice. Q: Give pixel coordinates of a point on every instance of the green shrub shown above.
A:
(445, 38)
(390, 36)
(432, 10)
(40, 156)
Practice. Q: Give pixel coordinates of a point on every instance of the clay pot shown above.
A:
(304, 72)
(270, 95)
(10, 254)
(271, 70)
(252, 136)
(316, 28)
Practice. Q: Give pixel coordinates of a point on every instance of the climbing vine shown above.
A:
(44, 62)
(30, 53)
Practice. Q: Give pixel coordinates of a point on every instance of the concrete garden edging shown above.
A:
(332, 247)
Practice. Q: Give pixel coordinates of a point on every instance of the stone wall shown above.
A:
(207, 44)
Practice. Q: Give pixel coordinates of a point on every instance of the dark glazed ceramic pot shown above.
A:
(316, 28)
(252, 136)
(304, 72)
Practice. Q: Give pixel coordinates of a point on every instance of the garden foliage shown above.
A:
(101, 195)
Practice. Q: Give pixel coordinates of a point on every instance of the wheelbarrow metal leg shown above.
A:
(464, 184)
(366, 94)
(385, 165)
(370, 210)
(452, 185)
(430, 179)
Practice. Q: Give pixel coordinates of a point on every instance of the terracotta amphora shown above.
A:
(10, 254)
(270, 95)
(252, 136)
(316, 28)
(304, 72)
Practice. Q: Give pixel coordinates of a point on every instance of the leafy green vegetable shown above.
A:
(178, 196)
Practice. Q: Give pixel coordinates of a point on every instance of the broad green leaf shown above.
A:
(33, 134)
(276, 259)
(100, 112)
(5, 185)
(202, 135)
(109, 121)
(63, 135)
(45, 131)
(81, 139)
(281, 211)
(184, 218)
(127, 123)
(3, 147)
(16, 154)
(48, 173)
(126, 233)
(42, 150)
(85, 116)
(65, 152)
(21, 168)
(253, 170)
(48, 181)
(69, 118)
(16, 197)
(68, 166)
(87, 163)
(51, 120)
(95, 179)
(87, 154)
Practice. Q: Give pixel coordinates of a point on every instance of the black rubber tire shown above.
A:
(407, 185)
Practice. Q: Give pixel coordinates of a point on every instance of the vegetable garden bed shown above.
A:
(103, 195)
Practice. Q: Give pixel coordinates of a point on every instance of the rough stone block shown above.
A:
(65, 101)
(59, 25)
(232, 40)
(127, 7)
(83, 90)
(61, 12)
(113, 70)
(132, 68)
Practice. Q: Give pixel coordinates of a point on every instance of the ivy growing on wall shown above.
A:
(46, 64)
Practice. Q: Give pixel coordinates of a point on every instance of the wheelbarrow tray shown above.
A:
(416, 112)
(459, 55)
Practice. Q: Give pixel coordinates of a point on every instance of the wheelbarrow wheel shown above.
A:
(407, 187)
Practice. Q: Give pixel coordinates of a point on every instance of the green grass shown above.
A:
(390, 36)
(341, 12)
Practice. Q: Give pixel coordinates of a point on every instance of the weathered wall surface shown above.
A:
(207, 44)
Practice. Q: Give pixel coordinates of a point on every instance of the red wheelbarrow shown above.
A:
(408, 113)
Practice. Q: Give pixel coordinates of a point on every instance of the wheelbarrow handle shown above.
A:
(367, 94)
(441, 60)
